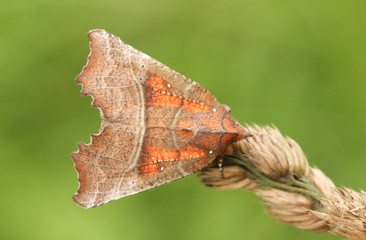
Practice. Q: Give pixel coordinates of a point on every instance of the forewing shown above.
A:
(118, 161)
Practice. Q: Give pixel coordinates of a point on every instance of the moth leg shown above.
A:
(219, 164)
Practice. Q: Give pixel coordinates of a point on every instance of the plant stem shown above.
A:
(265, 181)
(303, 183)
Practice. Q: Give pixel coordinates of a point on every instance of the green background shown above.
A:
(297, 64)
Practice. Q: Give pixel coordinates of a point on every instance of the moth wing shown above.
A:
(105, 174)
(116, 77)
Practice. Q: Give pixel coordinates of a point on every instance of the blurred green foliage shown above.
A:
(297, 64)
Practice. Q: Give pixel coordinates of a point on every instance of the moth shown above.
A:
(157, 125)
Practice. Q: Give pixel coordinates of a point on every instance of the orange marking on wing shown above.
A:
(192, 152)
(156, 155)
(158, 83)
(161, 155)
(195, 107)
(200, 162)
(186, 134)
(186, 128)
(163, 98)
(168, 99)
(150, 168)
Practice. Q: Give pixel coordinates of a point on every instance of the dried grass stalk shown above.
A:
(345, 213)
(275, 168)
(292, 208)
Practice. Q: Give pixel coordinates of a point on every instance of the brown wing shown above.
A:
(125, 158)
